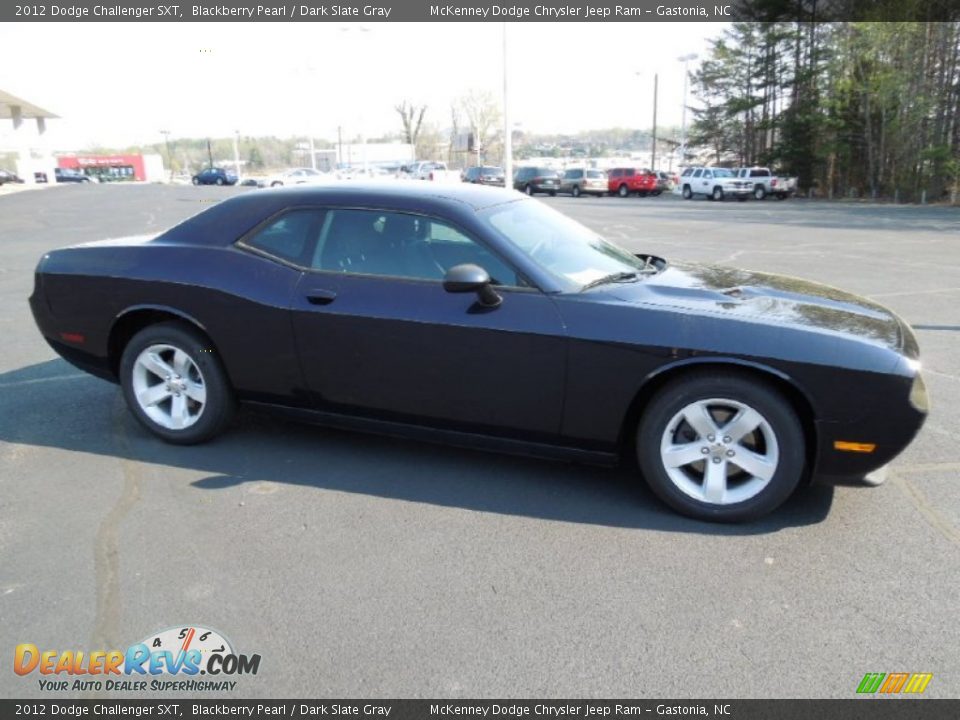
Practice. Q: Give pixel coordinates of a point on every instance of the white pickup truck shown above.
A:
(433, 170)
(766, 183)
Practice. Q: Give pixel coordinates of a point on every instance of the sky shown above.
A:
(118, 84)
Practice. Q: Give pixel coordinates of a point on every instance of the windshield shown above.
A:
(558, 244)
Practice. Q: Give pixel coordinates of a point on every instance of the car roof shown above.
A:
(229, 219)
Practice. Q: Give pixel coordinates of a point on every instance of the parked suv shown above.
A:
(533, 180)
(215, 176)
(715, 183)
(483, 175)
(580, 181)
(633, 181)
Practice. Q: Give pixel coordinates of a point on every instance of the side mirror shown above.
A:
(471, 278)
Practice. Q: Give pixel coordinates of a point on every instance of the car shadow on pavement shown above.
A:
(53, 405)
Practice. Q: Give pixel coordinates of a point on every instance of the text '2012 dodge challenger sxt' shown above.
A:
(479, 317)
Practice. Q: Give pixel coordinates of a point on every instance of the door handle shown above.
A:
(321, 296)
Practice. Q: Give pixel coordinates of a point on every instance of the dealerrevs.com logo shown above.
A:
(172, 659)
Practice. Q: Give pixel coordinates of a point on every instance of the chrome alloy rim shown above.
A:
(169, 387)
(719, 451)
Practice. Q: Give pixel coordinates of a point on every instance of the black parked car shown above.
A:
(8, 177)
(533, 180)
(215, 176)
(483, 175)
(66, 175)
(479, 317)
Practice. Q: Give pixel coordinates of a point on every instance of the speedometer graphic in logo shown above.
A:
(190, 645)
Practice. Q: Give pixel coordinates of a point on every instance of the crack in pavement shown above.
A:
(107, 543)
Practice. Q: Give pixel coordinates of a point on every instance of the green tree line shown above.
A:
(852, 108)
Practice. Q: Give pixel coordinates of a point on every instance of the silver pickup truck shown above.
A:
(765, 183)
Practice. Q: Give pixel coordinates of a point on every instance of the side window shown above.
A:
(707, 174)
(290, 237)
(629, 172)
(697, 173)
(616, 173)
(401, 245)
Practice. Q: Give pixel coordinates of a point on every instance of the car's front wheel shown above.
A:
(174, 384)
(759, 192)
(196, 181)
(721, 447)
(219, 181)
(717, 193)
(687, 193)
(622, 191)
(576, 191)
(528, 189)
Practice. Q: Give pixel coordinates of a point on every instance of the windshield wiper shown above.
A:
(612, 278)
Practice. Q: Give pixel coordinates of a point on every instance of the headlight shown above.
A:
(918, 394)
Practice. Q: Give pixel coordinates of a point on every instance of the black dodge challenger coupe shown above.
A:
(480, 317)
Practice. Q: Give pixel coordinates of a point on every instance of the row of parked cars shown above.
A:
(710, 182)
(713, 183)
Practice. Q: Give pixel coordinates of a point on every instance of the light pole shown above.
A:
(166, 142)
(653, 141)
(683, 116)
(236, 152)
(507, 130)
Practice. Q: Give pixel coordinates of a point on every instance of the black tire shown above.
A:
(219, 404)
(528, 189)
(553, 193)
(576, 191)
(219, 181)
(623, 191)
(781, 420)
(687, 193)
(717, 194)
(276, 183)
(759, 192)
(196, 181)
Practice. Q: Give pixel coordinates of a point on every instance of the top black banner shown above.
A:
(506, 11)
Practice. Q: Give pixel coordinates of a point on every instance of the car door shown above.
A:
(705, 180)
(379, 336)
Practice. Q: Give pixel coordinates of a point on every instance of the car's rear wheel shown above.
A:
(687, 193)
(717, 193)
(219, 181)
(623, 191)
(174, 384)
(196, 181)
(759, 192)
(721, 447)
(576, 191)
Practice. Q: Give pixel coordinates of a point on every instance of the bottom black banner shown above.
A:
(864, 708)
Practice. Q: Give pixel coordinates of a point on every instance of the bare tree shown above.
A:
(483, 114)
(412, 118)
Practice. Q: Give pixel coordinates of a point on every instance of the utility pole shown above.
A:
(166, 142)
(236, 152)
(653, 150)
(507, 130)
(683, 121)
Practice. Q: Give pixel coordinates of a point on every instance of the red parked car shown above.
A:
(629, 181)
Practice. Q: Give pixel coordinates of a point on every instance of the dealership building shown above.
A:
(27, 140)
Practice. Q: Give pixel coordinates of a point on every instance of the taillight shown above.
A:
(773, 183)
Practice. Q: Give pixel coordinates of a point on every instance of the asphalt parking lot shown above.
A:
(359, 566)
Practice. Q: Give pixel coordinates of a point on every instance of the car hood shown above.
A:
(777, 300)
